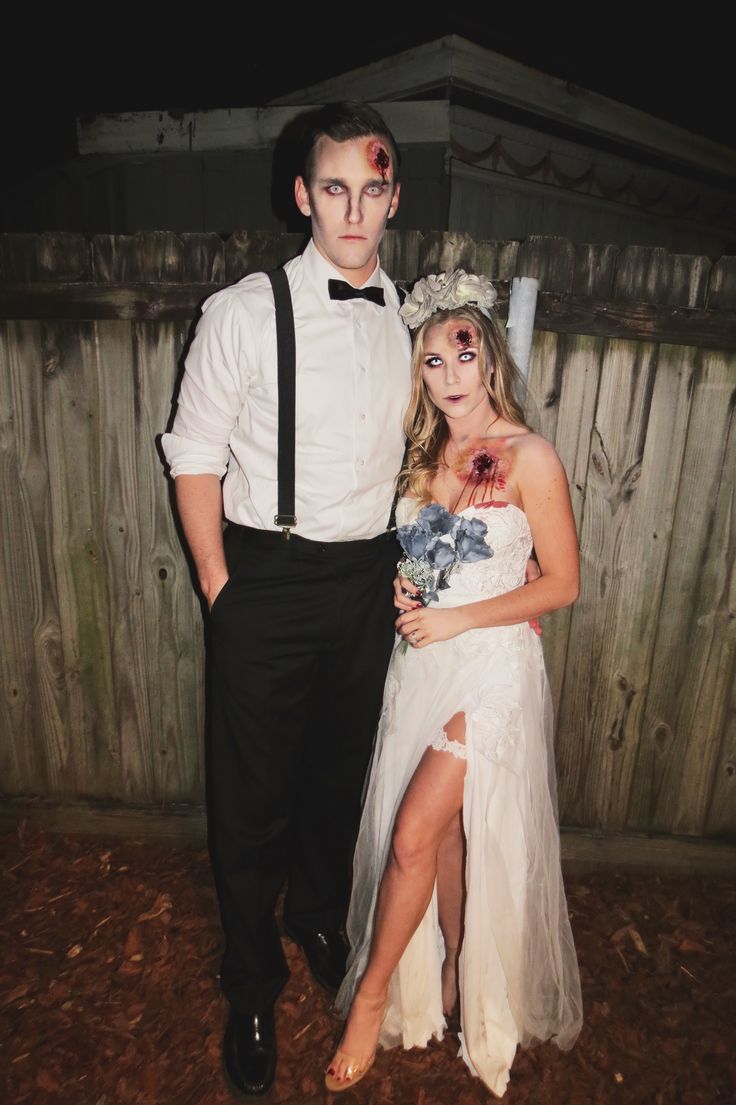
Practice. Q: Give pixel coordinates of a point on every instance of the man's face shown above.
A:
(351, 195)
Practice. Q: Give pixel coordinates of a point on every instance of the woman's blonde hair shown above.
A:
(425, 426)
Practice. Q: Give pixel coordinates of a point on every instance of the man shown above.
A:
(302, 620)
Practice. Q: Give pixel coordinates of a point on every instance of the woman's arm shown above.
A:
(545, 499)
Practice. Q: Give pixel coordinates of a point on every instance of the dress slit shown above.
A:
(517, 972)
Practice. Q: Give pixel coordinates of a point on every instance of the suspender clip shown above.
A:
(286, 523)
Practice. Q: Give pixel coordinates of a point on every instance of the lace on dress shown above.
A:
(442, 743)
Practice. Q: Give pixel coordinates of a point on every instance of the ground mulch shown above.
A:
(108, 992)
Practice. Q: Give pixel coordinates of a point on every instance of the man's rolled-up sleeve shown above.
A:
(213, 391)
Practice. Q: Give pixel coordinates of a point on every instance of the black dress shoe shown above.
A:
(326, 954)
(249, 1052)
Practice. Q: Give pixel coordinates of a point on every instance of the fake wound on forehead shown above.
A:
(464, 335)
(379, 159)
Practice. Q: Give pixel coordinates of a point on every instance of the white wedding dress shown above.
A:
(518, 975)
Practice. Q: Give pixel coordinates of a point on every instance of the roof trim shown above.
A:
(455, 60)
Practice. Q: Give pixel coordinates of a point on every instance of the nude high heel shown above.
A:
(353, 1074)
(354, 1070)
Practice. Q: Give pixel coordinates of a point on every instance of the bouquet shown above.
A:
(435, 544)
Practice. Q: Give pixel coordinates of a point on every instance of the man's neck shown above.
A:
(355, 277)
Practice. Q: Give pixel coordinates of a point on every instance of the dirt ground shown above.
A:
(108, 992)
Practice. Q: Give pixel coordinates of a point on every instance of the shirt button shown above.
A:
(362, 418)
(361, 464)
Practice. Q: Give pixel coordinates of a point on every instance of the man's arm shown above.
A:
(197, 448)
(199, 500)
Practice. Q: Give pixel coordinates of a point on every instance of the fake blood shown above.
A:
(379, 159)
(485, 468)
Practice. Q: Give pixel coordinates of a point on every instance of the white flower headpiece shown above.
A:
(447, 291)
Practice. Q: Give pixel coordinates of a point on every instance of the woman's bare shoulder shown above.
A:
(533, 449)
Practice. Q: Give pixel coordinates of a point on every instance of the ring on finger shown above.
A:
(413, 637)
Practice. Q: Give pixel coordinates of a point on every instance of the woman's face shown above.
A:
(451, 369)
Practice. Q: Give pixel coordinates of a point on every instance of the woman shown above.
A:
(457, 888)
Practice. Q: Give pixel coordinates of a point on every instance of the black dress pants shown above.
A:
(301, 636)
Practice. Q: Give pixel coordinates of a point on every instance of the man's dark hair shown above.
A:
(341, 122)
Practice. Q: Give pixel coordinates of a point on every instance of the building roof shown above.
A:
(453, 64)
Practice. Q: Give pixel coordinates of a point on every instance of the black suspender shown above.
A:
(286, 350)
(286, 356)
(397, 493)
(392, 516)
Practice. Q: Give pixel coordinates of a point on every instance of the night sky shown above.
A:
(680, 73)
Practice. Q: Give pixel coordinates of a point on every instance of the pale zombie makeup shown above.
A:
(451, 349)
(481, 468)
(379, 159)
(349, 203)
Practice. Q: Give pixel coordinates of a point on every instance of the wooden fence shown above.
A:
(633, 376)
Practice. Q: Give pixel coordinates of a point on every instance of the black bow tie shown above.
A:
(340, 289)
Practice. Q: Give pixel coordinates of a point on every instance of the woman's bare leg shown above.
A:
(450, 906)
(431, 802)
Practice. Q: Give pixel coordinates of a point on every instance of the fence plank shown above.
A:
(722, 811)
(690, 684)
(72, 416)
(150, 256)
(497, 259)
(550, 260)
(399, 254)
(656, 276)
(721, 293)
(53, 677)
(637, 445)
(595, 268)
(255, 251)
(29, 625)
(688, 284)
(572, 396)
(442, 252)
(642, 273)
(203, 258)
(173, 620)
(52, 256)
(157, 256)
(113, 258)
(119, 539)
(546, 366)
(578, 400)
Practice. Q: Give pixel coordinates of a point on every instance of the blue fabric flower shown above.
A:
(435, 519)
(440, 554)
(413, 540)
(435, 543)
(470, 541)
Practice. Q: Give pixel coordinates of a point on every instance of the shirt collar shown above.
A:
(319, 270)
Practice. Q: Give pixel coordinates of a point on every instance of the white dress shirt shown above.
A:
(352, 388)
